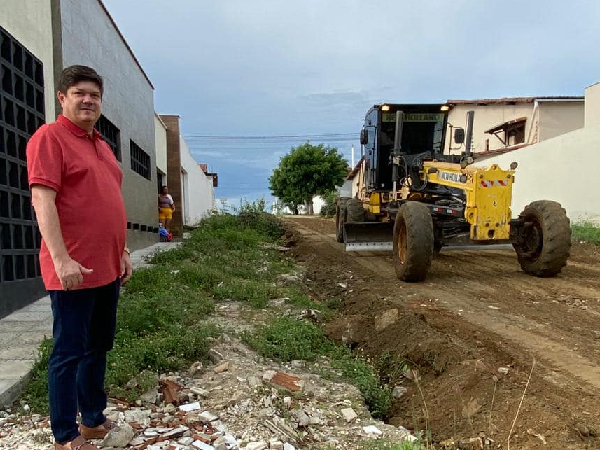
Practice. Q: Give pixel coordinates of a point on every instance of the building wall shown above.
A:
(31, 24)
(552, 170)
(160, 139)
(559, 117)
(89, 37)
(485, 118)
(198, 191)
(592, 105)
(29, 28)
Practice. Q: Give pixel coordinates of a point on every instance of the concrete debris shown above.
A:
(256, 446)
(206, 417)
(202, 445)
(119, 436)
(269, 374)
(274, 444)
(503, 370)
(301, 417)
(289, 278)
(254, 382)
(349, 414)
(200, 409)
(190, 407)
(372, 430)
(224, 367)
(399, 391)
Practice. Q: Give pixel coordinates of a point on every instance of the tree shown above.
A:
(306, 171)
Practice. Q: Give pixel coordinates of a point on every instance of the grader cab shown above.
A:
(415, 199)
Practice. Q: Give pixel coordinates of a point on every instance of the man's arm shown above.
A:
(70, 272)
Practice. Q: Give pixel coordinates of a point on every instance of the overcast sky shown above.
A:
(279, 67)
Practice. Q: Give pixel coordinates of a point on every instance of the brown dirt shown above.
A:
(476, 312)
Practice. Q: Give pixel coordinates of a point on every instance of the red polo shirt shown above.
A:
(86, 176)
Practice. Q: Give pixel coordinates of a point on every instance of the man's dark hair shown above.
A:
(72, 75)
(164, 186)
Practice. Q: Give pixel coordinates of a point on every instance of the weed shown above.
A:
(287, 339)
(36, 392)
(162, 308)
(383, 445)
(586, 232)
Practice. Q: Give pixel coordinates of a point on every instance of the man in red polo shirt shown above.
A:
(75, 182)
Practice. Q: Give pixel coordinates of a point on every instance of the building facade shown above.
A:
(508, 122)
(26, 102)
(191, 186)
(555, 169)
(37, 40)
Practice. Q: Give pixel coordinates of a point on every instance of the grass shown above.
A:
(287, 339)
(586, 232)
(162, 310)
(161, 323)
(383, 445)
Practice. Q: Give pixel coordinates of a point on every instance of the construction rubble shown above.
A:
(241, 401)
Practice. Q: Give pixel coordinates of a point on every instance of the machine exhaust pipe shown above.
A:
(469, 137)
(397, 149)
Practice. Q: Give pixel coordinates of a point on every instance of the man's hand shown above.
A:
(70, 273)
(126, 267)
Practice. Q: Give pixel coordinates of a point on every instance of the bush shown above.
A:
(586, 232)
(328, 209)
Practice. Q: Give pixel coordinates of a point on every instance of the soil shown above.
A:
(491, 348)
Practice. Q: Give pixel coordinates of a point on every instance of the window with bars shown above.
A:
(140, 160)
(21, 114)
(110, 133)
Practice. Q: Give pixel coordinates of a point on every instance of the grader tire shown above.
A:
(413, 242)
(340, 212)
(355, 211)
(544, 249)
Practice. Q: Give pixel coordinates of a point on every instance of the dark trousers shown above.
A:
(83, 332)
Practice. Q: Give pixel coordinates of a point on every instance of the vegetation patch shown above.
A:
(161, 324)
(586, 232)
(287, 339)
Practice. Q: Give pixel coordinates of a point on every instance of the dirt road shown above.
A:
(476, 313)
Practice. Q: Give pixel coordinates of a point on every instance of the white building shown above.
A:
(190, 184)
(561, 168)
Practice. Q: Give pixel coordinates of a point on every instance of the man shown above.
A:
(75, 182)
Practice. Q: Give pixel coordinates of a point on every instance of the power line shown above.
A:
(326, 136)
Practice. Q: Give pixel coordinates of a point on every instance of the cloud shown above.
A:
(266, 67)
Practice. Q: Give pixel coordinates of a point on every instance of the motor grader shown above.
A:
(413, 198)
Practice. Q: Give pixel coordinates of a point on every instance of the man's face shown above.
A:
(82, 104)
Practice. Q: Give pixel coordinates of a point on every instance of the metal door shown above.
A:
(21, 113)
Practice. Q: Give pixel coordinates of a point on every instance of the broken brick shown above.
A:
(289, 382)
(169, 390)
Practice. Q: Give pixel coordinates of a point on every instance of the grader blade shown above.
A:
(368, 236)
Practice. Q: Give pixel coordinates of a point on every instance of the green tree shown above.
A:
(306, 171)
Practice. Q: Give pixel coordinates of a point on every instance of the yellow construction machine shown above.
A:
(411, 197)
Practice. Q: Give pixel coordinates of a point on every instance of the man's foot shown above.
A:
(79, 443)
(97, 432)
